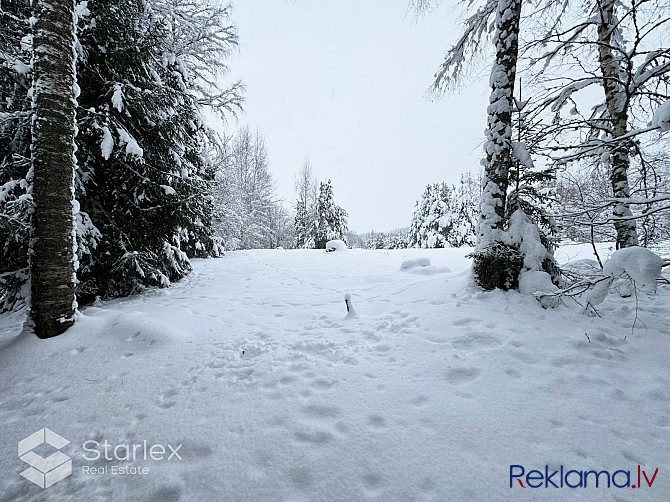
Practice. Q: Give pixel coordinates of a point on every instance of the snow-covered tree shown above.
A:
(144, 177)
(445, 216)
(248, 215)
(618, 49)
(496, 262)
(331, 218)
(15, 137)
(433, 218)
(53, 260)
(306, 219)
(391, 240)
(466, 205)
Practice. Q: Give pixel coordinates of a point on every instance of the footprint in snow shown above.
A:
(377, 421)
(459, 376)
(166, 400)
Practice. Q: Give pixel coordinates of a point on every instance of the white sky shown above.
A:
(343, 83)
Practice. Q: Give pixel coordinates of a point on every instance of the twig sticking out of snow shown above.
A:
(351, 312)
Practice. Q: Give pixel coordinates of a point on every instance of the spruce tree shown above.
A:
(331, 219)
(144, 176)
(442, 218)
(15, 138)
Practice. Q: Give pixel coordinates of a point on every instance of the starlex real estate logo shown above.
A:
(45, 472)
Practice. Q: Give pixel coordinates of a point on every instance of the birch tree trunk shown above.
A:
(492, 266)
(52, 261)
(617, 106)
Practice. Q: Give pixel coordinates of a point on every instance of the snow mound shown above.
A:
(335, 245)
(417, 262)
(640, 264)
(536, 282)
(422, 266)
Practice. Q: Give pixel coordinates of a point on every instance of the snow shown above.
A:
(422, 266)
(168, 190)
(430, 394)
(661, 118)
(132, 148)
(533, 282)
(524, 233)
(107, 143)
(335, 245)
(638, 263)
(416, 262)
(521, 153)
(117, 97)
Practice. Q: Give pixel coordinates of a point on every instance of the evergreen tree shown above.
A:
(444, 217)
(331, 219)
(15, 137)
(381, 240)
(466, 204)
(144, 176)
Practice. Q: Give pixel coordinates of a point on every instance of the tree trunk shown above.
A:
(617, 106)
(498, 146)
(493, 261)
(52, 263)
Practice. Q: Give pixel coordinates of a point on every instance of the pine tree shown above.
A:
(52, 262)
(332, 219)
(144, 182)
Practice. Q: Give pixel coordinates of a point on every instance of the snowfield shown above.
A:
(430, 393)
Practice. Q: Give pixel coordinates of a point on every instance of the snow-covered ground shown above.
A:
(430, 393)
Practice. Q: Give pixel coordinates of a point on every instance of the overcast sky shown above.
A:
(343, 83)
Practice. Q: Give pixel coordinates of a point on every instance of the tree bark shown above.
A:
(52, 263)
(617, 107)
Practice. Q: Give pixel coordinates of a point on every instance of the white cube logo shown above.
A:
(45, 472)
